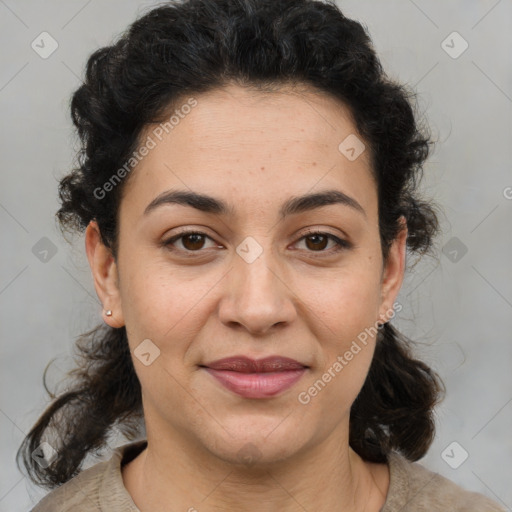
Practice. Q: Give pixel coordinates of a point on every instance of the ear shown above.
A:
(393, 272)
(105, 275)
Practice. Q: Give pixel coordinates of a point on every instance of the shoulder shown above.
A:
(95, 489)
(412, 487)
(79, 493)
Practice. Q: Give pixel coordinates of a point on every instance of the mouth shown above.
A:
(261, 378)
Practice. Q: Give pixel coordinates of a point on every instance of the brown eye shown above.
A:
(194, 241)
(191, 241)
(316, 242)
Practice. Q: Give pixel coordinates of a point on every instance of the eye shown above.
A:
(192, 241)
(317, 241)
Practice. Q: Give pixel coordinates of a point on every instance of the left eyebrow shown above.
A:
(292, 206)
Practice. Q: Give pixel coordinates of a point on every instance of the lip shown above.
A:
(262, 378)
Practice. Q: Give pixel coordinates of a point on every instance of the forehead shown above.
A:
(295, 115)
(254, 146)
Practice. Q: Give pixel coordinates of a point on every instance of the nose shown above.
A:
(257, 296)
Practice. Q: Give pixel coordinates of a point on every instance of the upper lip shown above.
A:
(245, 364)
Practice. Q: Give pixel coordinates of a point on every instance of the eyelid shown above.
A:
(341, 244)
(181, 234)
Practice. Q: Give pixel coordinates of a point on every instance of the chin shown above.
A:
(257, 442)
(256, 454)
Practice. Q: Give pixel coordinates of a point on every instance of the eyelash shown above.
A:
(341, 244)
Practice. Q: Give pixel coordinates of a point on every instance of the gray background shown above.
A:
(458, 306)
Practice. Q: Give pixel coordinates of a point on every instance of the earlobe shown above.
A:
(105, 275)
(393, 273)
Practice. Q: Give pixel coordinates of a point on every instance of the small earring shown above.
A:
(108, 312)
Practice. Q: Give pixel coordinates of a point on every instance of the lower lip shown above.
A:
(257, 385)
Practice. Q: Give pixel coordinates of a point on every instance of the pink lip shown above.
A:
(256, 378)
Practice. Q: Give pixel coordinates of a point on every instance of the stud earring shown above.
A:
(108, 312)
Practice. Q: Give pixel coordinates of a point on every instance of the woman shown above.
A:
(248, 189)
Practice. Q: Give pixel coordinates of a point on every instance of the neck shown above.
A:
(327, 476)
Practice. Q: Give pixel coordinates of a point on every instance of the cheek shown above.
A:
(344, 303)
(345, 318)
(160, 302)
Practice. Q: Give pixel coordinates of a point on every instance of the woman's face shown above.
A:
(254, 283)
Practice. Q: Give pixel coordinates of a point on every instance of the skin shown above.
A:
(253, 150)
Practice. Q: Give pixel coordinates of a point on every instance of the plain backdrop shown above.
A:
(457, 305)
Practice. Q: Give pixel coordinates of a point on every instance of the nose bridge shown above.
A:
(256, 296)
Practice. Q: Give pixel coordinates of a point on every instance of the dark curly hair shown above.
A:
(190, 47)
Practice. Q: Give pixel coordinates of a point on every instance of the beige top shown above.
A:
(412, 488)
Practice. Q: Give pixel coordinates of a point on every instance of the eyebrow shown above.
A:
(292, 206)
